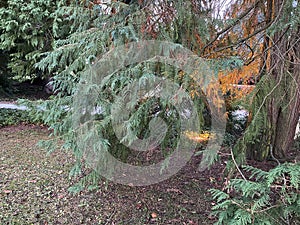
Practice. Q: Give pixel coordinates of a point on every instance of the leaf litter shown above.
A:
(34, 189)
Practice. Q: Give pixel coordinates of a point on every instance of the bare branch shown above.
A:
(230, 26)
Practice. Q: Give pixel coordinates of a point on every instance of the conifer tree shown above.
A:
(25, 33)
(275, 107)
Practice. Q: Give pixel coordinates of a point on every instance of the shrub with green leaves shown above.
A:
(10, 117)
(267, 197)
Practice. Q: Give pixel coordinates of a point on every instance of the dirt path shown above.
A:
(33, 190)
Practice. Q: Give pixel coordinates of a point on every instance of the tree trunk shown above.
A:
(284, 114)
(276, 103)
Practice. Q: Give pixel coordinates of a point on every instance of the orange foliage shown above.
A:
(199, 137)
(236, 81)
(227, 43)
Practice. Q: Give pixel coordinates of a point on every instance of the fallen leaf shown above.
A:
(139, 206)
(174, 190)
(32, 181)
(60, 196)
(153, 215)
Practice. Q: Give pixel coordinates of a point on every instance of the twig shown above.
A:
(236, 165)
(111, 215)
(271, 152)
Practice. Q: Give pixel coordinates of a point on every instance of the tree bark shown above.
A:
(276, 106)
(284, 115)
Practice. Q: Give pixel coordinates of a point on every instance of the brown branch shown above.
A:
(267, 49)
(251, 35)
(230, 26)
(242, 40)
(252, 51)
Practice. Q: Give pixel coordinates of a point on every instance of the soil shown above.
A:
(33, 189)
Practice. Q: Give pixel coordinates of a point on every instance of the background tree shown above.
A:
(275, 105)
(264, 36)
(25, 33)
